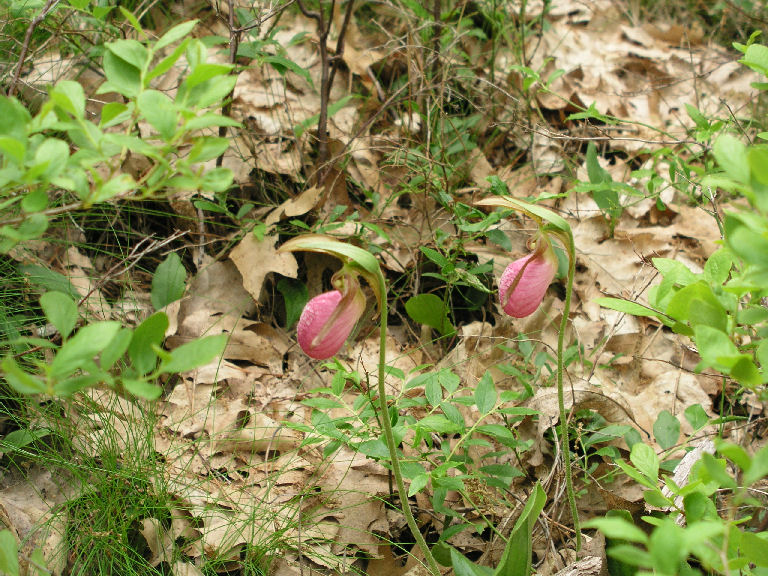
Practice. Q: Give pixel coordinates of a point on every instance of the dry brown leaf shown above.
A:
(255, 259)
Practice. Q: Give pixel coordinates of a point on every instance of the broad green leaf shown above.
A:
(146, 337)
(437, 423)
(207, 148)
(485, 394)
(718, 266)
(168, 281)
(667, 547)
(754, 548)
(295, 297)
(731, 155)
(19, 380)
(115, 349)
(18, 439)
(217, 180)
(49, 279)
(83, 347)
(14, 118)
(618, 528)
(53, 155)
(759, 467)
(178, 32)
(194, 354)
(69, 96)
(118, 185)
(645, 460)
(715, 348)
(122, 77)
(374, 449)
(418, 483)
(696, 416)
(666, 429)
(9, 554)
(517, 557)
(159, 111)
(430, 309)
(208, 93)
(462, 566)
(61, 311)
(131, 51)
(142, 388)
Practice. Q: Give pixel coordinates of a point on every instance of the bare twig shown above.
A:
(49, 6)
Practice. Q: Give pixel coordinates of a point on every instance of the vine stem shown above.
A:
(565, 449)
(390, 437)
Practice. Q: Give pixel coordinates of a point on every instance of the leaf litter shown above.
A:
(237, 457)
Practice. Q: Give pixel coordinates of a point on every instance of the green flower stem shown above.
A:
(390, 437)
(565, 449)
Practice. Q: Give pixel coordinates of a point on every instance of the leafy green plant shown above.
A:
(41, 177)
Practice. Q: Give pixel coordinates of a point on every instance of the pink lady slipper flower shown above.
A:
(525, 281)
(328, 319)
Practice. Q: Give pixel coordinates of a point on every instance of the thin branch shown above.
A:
(49, 6)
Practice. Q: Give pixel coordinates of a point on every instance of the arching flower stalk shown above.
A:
(521, 290)
(328, 319)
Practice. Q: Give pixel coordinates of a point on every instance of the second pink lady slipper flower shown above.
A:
(328, 319)
(525, 281)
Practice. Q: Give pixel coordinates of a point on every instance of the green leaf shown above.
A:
(131, 51)
(430, 309)
(83, 347)
(418, 483)
(633, 308)
(52, 154)
(295, 297)
(718, 266)
(61, 311)
(69, 96)
(122, 77)
(754, 548)
(14, 118)
(462, 566)
(207, 148)
(645, 460)
(49, 280)
(194, 354)
(731, 155)
(18, 439)
(374, 449)
(159, 111)
(437, 423)
(696, 416)
(666, 429)
(9, 554)
(118, 185)
(142, 388)
(116, 348)
(217, 180)
(667, 547)
(517, 557)
(759, 467)
(485, 394)
(168, 281)
(21, 381)
(146, 338)
(715, 348)
(595, 172)
(618, 528)
(178, 32)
